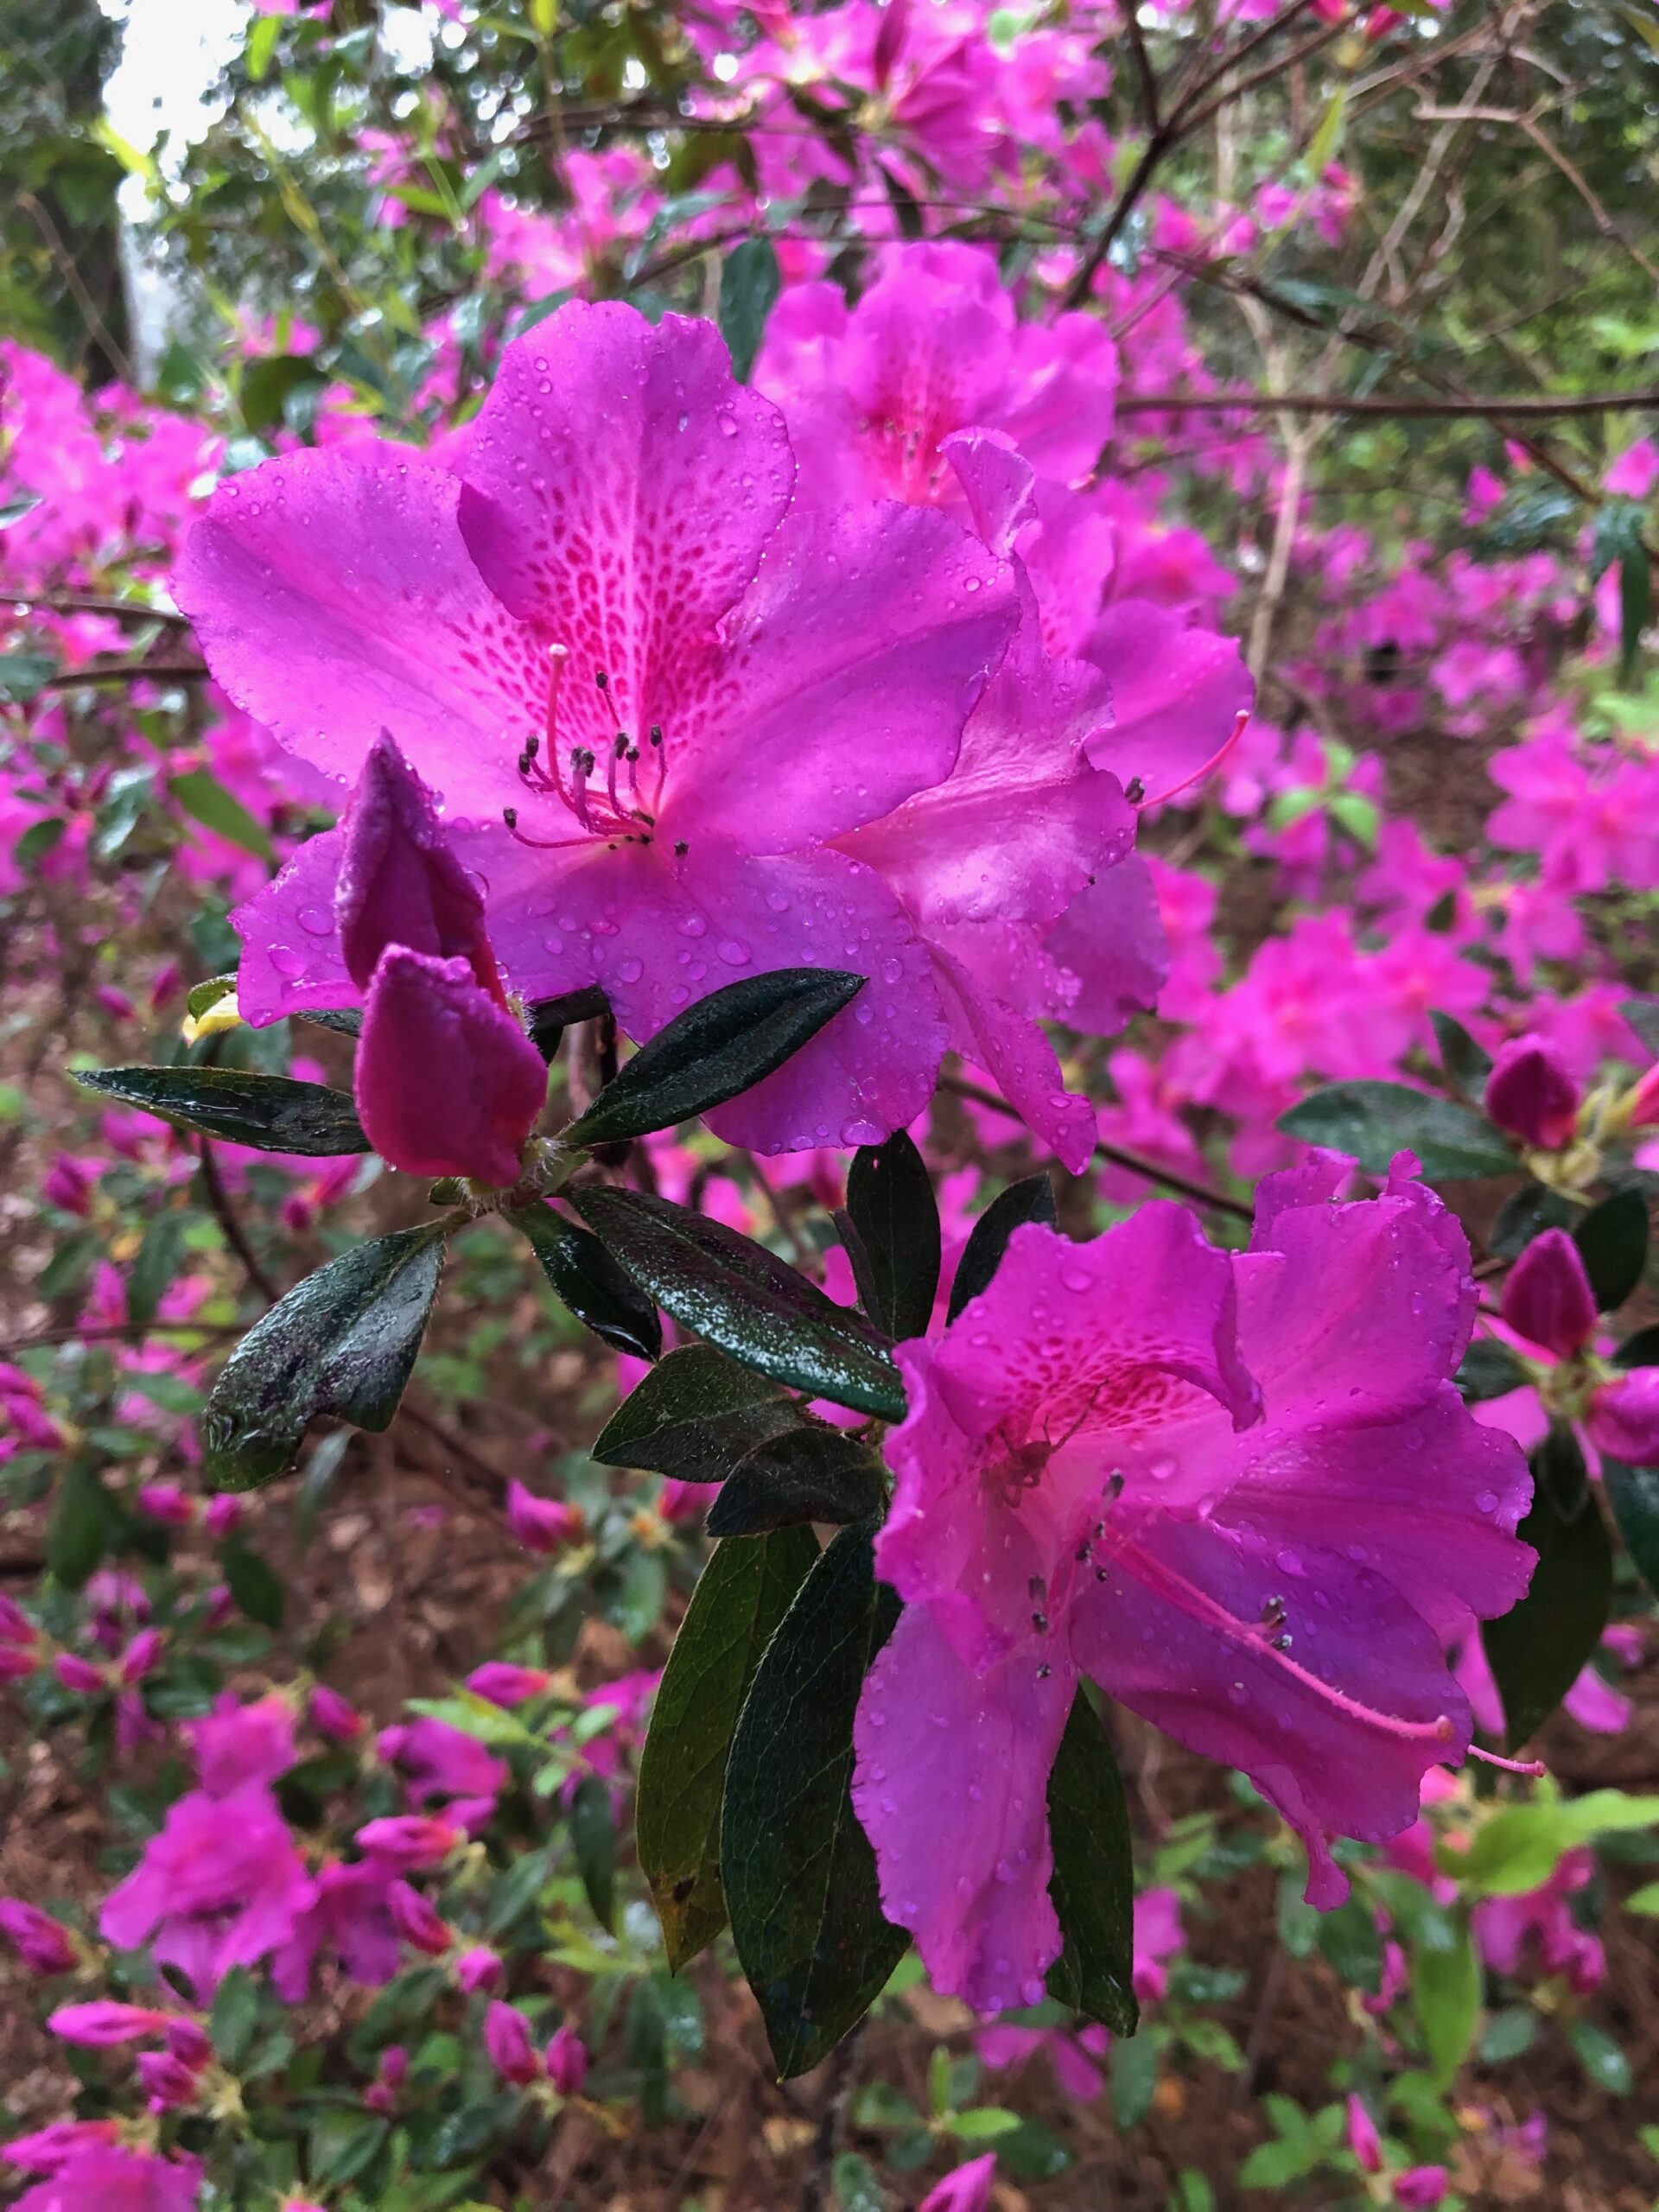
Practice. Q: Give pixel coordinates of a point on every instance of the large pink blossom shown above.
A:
(105, 2178)
(1239, 1491)
(647, 692)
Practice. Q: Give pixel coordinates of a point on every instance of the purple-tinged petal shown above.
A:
(930, 1735)
(1177, 695)
(1337, 1730)
(448, 1084)
(1015, 1052)
(1624, 1417)
(621, 487)
(334, 599)
(847, 674)
(399, 882)
(1109, 951)
(1547, 1299)
(997, 482)
(290, 943)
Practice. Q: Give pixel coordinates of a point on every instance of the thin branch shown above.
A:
(839, 2071)
(129, 672)
(1142, 65)
(118, 1332)
(120, 610)
(1313, 402)
(1119, 1155)
(218, 1203)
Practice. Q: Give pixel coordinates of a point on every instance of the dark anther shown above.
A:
(1043, 1672)
(681, 848)
(621, 743)
(583, 761)
(656, 732)
(601, 679)
(1039, 1622)
(1100, 1574)
(1036, 1586)
(510, 815)
(1281, 1644)
(1134, 791)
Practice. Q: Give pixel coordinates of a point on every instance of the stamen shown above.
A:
(1510, 1766)
(557, 658)
(510, 816)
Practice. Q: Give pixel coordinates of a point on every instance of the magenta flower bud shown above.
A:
(448, 1084)
(220, 1605)
(399, 882)
(141, 1654)
(1531, 1094)
(506, 1684)
(393, 2069)
(67, 1184)
(334, 1716)
(16, 1626)
(506, 2039)
(567, 2062)
(1547, 1299)
(189, 2044)
(17, 1664)
(1623, 1418)
(416, 1920)
(477, 1969)
(966, 2189)
(168, 979)
(379, 2098)
(682, 1502)
(409, 1839)
(541, 1524)
(166, 2081)
(114, 1002)
(77, 1674)
(222, 1514)
(166, 1501)
(1363, 2138)
(105, 2022)
(42, 1944)
(1420, 2186)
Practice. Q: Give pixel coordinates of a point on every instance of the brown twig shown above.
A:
(1313, 402)
(218, 1203)
(129, 672)
(839, 2071)
(70, 602)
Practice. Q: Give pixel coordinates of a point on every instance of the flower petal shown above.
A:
(448, 1084)
(1177, 694)
(290, 941)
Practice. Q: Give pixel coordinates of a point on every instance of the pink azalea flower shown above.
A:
(50, 2148)
(104, 2177)
(506, 1684)
(541, 1525)
(1505, 1928)
(1239, 1491)
(334, 1716)
(221, 1885)
(1072, 2055)
(418, 1921)
(237, 1744)
(438, 1762)
(593, 644)
(349, 1918)
(477, 1969)
(966, 2189)
(409, 1839)
(1636, 471)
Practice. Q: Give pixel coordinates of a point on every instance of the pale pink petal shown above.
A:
(930, 1734)
(333, 598)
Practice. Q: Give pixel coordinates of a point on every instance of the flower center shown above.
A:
(614, 805)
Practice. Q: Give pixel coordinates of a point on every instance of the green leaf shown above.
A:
(856, 2187)
(1641, 1349)
(1030, 1200)
(156, 1265)
(1633, 1494)
(1092, 1887)
(890, 1198)
(13, 510)
(38, 840)
(1601, 2057)
(343, 1020)
(272, 1112)
(1370, 1121)
(799, 1873)
(253, 1582)
(22, 674)
(1467, 1063)
(807, 1474)
(1643, 1014)
(743, 1593)
(750, 281)
(1612, 1241)
(343, 1342)
(1446, 1992)
(202, 997)
(587, 1279)
(263, 34)
(739, 1297)
(1134, 2066)
(695, 1417)
(1537, 1649)
(593, 1838)
(1519, 1847)
(274, 387)
(1527, 1214)
(82, 1523)
(342, 2145)
(1509, 2034)
(1634, 606)
(1488, 1370)
(1349, 1939)
(234, 2016)
(205, 799)
(722, 1046)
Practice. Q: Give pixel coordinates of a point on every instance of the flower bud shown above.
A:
(334, 1716)
(506, 2039)
(190, 2043)
(1547, 1299)
(567, 2062)
(141, 1656)
(42, 1944)
(166, 2081)
(222, 1514)
(541, 1524)
(477, 1969)
(418, 1921)
(77, 1674)
(506, 1684)
(966, 2188)
(1422, 2186)
(1531, 1094)
(166, 1501)
(1363, 2138)
(409, 1839)
(105, 2022)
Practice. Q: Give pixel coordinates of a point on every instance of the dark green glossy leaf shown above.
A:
(343, 1021)
(593, 1838)
(1467, 1063)
(1633, 1494)
(695, 1417)
(1538, 1648)
(1030, 1200)
(253, 1582)
(1488, 1370)
(343, 1342)
(587, 1279)
(547, 1020)
(808, 1474)
(722, 1045)
(743, 1593)
(1370, 1121)
(742, 1299)
(1601, 2057)
(800, 1874)
(84, 1518)
(235, 2014)
(1525, 1215)
(1092, 1887)
(156, 1265)
(1612, 1241)
(1640, 1350)
(890, 1198)
(750, 280)
(206, 800)
(200, 997)
(272, 1112)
